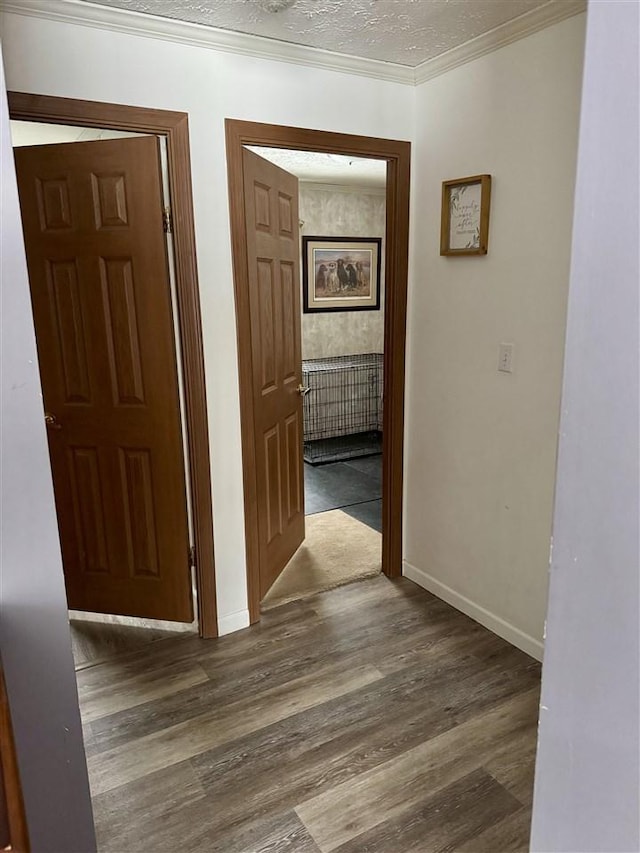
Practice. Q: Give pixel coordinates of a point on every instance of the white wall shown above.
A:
(481, 445)
(343, 212)
(34, 631)
(82, 62)
(588, 774)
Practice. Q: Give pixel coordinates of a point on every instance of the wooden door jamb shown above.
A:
(175, 127)
(398, 157)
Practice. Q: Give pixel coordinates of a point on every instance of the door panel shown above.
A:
(271, 211)
(92, 217)
(295, 473)
(89, 509)
(64, 296)
(121, 325)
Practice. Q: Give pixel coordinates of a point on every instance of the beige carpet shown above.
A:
(337, 549)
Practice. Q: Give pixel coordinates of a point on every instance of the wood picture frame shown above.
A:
(465, 216)
(341, 274)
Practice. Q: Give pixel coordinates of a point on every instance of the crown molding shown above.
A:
(198, 35)
(525, 25)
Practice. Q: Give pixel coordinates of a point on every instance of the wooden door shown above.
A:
(92, 214)
(273, 258)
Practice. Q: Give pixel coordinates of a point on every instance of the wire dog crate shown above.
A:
(343, 409)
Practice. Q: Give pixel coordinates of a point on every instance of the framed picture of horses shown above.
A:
(341, 274)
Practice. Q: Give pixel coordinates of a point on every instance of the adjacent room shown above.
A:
(341, 204)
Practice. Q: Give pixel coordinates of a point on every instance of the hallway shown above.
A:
(371, 717)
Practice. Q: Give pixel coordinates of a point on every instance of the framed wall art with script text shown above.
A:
(465, 216)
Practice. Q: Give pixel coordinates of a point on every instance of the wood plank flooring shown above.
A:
(372, 718)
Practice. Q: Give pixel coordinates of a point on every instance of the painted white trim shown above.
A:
(525, 25)
(343, 188)
(233, 622)
(480, 614)
(197, 35)
(113, 19)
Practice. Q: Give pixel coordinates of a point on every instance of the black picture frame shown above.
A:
(341, 274)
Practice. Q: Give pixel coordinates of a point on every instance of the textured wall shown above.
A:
(481, 445)
(34, 628)
(343, 213)
(82, 62)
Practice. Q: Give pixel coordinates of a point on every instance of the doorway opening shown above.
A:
(342, 218)
(166, 135)
(263, 216)
(94, 635)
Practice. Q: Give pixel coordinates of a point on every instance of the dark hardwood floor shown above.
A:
(372, 718)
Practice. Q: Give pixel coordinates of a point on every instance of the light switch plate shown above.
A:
(505, 358)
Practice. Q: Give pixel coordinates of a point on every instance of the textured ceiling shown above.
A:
(407, 32)
(327, 168)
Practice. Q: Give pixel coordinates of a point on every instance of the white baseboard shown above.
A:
(494, 623)
(233, 622)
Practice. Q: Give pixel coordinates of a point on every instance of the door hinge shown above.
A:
(192, 557)
(167, 220)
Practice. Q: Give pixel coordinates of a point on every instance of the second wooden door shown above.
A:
(273, 259)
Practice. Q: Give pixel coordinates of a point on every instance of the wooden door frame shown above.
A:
(398, 157)
(174, 126)
(10, 785)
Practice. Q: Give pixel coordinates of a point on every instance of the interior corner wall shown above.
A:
(343, 212)
(68, 60)
(35, 642)
(588, 762)
(480, 444)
